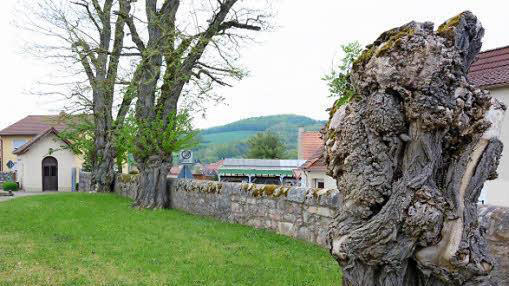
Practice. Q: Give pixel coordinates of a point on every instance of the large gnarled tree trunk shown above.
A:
(100, 60)
(411, 154)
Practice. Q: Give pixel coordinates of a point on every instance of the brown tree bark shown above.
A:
(153, 177)
(100, 60)
(410, 154)
(181, 54)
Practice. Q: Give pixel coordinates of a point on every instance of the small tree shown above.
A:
(79, 132)
(338, 79)
(266, 145)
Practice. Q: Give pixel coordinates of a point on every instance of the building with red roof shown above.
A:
(490, 71)
(312, 172)
(21, 132)
(309, 143)
(34, 149)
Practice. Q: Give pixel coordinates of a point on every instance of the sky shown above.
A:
(285, 65)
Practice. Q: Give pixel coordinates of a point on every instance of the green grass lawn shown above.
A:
(97, 239)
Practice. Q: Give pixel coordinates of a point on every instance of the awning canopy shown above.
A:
(255, 172)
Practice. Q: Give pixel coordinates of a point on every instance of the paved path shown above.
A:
(24, 194)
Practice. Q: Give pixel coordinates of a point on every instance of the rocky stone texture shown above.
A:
(495, 221)
(411, 153)
(85, 182)
(126, 185)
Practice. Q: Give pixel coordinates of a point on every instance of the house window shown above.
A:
(17, 143)
(319, 183)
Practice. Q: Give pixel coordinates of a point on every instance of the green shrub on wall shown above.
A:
(10, 186)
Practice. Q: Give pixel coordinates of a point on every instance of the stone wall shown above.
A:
(496, 222)
(84, 182)
(298, 212)
(126, 185)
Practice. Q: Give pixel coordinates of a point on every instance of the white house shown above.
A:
(45, 165)
(313, 171)
(490, 71)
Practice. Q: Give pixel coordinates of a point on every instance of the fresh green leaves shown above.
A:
(79, 132)
(338, 80)
(163, 137)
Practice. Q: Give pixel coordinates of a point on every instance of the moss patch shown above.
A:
(365, 56)
(394, 40)
(446, 30)
(274, 191)
(127, 178)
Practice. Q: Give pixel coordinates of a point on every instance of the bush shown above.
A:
(10, 186)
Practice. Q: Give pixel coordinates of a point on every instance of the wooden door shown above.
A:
(49, 174)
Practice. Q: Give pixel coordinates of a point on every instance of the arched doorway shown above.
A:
(49, 174)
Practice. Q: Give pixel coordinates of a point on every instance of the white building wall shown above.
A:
(329, 182)
(30, 164)
(497, 192)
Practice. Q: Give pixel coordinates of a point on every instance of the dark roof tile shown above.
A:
(33, 125)
(491, 68)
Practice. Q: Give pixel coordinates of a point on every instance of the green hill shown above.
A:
(228, 141)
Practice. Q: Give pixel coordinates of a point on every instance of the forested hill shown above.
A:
(228, 141)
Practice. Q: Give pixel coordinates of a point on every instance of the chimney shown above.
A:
(299, 143)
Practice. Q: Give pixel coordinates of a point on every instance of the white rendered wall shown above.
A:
(30, 165)
(497, 192)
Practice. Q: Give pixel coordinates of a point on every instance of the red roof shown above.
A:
(316, 162)
(33, 125)
(491, 68)
(25, 147)
(309, 144)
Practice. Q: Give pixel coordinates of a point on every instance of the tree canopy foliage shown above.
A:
(266, 145)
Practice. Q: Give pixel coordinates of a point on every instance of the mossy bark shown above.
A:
(153, 178)
(410, 157)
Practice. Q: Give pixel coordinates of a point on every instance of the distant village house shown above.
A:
(32, 148)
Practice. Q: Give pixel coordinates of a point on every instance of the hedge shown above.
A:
(10, 186)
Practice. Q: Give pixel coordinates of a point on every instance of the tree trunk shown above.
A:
(153, 192)
(410, 155)
(103, 173)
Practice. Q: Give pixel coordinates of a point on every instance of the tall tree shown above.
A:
(410, 153)
(90, 34)
(266, 145)
(195, 58)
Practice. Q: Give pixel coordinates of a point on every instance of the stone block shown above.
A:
(323, 211)
(285, 228)
(236, 207)
(297, 195)
(321, 238)
(289, 217)
(305, 234)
